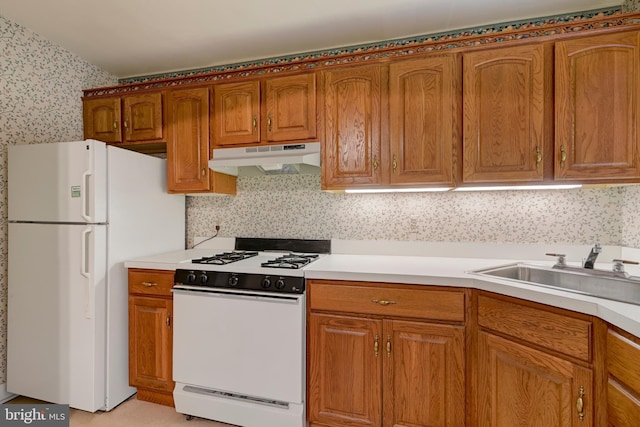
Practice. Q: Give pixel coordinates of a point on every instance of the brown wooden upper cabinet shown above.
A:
(353, 117)
(424, 108)
(507, 106)
(278, 109)
(412, 142)
(597, 108)
(127, 119)
(188, 145)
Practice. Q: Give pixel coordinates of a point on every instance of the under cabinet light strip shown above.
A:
(397, 190)
(443, 189)
(521, 187)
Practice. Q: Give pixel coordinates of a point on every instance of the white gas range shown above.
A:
(239, 333)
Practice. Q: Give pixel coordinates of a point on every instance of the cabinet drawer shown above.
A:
(150, 282)
(416, 303)
(564, 334)
(623, 360)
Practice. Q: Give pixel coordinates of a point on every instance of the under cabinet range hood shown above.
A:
(267, 159)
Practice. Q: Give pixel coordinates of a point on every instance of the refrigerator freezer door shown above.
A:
(58, 272)
(58, 182)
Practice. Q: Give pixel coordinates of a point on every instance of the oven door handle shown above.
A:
(213, 293)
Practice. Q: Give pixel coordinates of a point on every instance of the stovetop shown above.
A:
(278, 268)
(263, 256)
(270, 263)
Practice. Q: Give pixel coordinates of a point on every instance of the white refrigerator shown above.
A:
(77, 211)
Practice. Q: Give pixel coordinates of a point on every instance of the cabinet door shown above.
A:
(143, 117)
(623, 389)
(353, 127)
(290, 108)
(236, 115)
(102, 119)
(424, 375)
(423, 128)
(150, 343)
(506, 96)
(188, 140)
(520, 386)
(597, 108)
(345, 370)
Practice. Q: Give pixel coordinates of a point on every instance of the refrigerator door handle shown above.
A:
(86, 209)
(85, 270)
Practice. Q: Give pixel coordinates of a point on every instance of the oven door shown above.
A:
(239, 343)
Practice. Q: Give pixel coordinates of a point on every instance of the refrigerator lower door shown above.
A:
(57, 313)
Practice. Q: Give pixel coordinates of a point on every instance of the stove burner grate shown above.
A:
(225, 257)
(292, 261)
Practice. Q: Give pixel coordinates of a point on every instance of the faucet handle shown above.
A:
(562, 259)
(618, 264)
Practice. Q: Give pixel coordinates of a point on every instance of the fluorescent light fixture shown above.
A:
(521, 187)
(397, 190)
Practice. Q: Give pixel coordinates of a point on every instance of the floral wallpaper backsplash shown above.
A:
(631, 5)
(40, 101)
(293, 206)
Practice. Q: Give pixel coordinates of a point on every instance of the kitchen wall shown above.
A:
(293, 206)
(40, 101)
(40, 90)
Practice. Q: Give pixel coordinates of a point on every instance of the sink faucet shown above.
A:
(591, 259)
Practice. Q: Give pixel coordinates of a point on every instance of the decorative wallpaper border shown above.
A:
(498, 33)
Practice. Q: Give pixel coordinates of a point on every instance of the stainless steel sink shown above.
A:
(579, 280)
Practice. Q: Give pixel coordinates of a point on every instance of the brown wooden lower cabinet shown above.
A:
(623, 370)
(380, 369)
(522, 386)
(151, 335)
(389, 355)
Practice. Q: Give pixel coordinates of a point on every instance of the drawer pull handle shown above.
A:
(168, 321)
(580, 403)
(376, 345)
(149, 284)
(388, 345)
(383, 302)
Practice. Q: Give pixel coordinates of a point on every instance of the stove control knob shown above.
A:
(233, 280)
(203, 278)
(280, 283)
(191, 277)
(266, 282)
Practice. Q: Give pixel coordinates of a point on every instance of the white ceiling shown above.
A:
(141, 37)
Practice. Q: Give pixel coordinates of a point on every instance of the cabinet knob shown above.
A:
(563, 156)
(394, 164)
(168, 321)
(375, 163)
(204, 172)
(580, 403)
(269, 122)
(255, 123)
(115, 124)
(376, 345)
(388, 345)
(538, 157)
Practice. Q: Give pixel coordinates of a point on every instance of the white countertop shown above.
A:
(434, 270)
